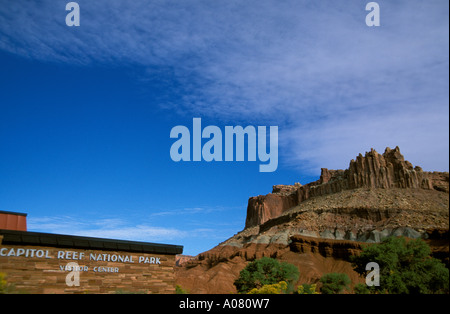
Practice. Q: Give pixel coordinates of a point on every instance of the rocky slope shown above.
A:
(317, 226)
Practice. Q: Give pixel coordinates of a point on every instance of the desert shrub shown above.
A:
(6, 287)
(3, 283)
(405, 267)
(265, 271)
(307, 289)
(277, 288)
(334, 283)
(361, 288)
(180, 290)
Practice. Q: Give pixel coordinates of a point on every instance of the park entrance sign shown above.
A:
(52, 263)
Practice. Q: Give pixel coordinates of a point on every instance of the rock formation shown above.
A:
(318, 226)
(371, 171)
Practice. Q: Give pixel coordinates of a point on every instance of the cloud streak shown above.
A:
(116, 228)
(314, 68)
(146, 230)
(150, 226)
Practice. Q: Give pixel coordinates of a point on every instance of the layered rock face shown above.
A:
(372, 171)
(263, 208)
(318, 226)
(215, 271)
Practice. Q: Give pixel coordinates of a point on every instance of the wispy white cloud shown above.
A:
(143, 229)
(191, 211)
(332, 84)
(116, 228)
(335, 143)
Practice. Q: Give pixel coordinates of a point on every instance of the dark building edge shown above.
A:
(78, 242)
(12, 213)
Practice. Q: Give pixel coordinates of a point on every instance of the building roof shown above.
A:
(78, 242)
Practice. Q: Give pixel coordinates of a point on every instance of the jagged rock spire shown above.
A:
(373, 170)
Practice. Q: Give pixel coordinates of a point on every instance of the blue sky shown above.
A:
(86, 112)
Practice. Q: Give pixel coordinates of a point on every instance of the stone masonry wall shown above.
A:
(44, 270)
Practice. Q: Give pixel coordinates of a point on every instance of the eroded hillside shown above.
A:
(317, 226)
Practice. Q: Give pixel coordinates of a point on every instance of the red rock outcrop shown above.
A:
(386, 171)
(341, 249)
(216, 270)
(318, 226)
(181, 259)
(263, 208)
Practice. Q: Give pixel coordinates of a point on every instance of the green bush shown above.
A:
(6, 287)
(307, 289)
(180, 290)
(334, 283)
(277, 288)
(265, 271)
(406, 267)
(361, 288)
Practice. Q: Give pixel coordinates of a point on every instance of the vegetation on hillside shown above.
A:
(405, 267)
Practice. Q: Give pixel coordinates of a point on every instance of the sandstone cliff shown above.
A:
(372, 171)
(215, 271)
(318, 226)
